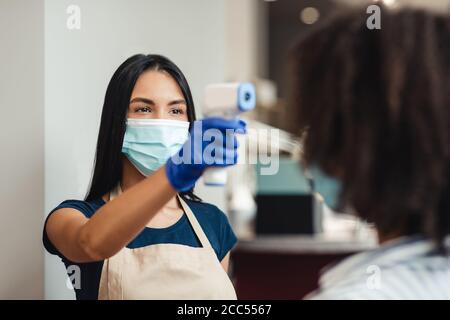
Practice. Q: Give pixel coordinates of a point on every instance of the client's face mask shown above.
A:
(149, 143)
(328, 187)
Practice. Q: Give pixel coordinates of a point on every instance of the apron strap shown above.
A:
(114, 265)
(194, 223)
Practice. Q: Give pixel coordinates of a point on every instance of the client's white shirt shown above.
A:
(404, 268)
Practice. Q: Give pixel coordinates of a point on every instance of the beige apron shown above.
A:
(166, 271)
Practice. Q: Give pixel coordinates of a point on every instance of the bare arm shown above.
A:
(114, 225)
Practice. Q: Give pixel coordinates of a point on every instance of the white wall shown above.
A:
(22, 148)
(245, 39)
(79, 64)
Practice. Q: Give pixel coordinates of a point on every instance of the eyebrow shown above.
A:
(151, 102)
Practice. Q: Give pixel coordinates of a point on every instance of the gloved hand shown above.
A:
(185, 168)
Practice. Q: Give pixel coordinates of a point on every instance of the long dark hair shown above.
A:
(108, 159)
(383, 124)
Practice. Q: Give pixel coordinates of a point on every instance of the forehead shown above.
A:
(153, 84)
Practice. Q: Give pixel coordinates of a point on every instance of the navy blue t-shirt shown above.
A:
(212, 220)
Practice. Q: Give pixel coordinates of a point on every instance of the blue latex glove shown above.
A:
(185, 168)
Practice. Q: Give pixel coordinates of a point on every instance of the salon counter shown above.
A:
(288, 266)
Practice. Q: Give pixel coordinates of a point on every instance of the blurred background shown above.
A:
(54, 78)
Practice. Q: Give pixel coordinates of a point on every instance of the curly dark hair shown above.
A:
(374, 109)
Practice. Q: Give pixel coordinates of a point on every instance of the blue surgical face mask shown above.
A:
(149, 143)
(328, 187)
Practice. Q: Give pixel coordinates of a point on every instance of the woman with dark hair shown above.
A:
(374, 109)
(141, 233)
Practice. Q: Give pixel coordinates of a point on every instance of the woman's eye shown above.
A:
(177, 111)
(143, 109)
